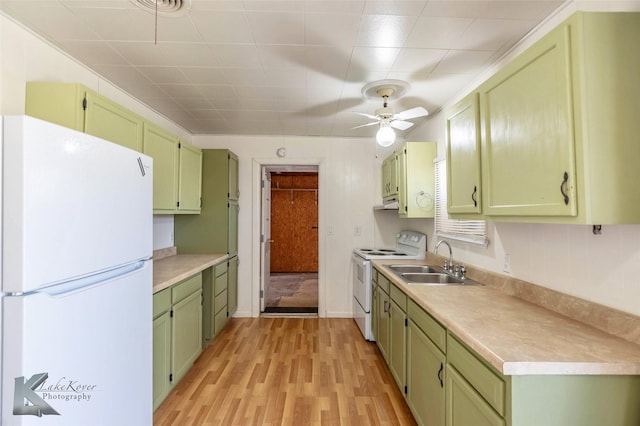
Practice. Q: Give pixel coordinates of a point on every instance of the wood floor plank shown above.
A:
(287, 371)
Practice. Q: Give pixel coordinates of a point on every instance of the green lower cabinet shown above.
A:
(425, 378)
(177, 334)
(465, 406)
(161, 352)
(232, 286)
(382, 338)
(398, 336)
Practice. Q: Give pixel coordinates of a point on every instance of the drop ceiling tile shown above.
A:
(334, 29)
(167, 54)
(206, 114)
(436, 33)
(222, 26)
(331, 62)
(51, 19)
(163, 75)
(212, 92)
(136, 25)
(237, 55)
(463, 61)
(249, 115)
(291, 78)
(237, 103)
(384, 31)
(376, 58)
(520, 10)
(205, 75)
(418, 60)
(277, 28)
(216, 5)
(92, 52)
(334, 6)
(397, 7)
(456, 9)
(281, 56)
(193, 103)
(244, 76)
(181, 90)
(491, 34)
(274, 5)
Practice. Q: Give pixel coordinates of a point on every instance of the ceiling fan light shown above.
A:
(385, 136)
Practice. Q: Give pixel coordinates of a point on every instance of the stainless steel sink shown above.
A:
(428, 275)
(425, 269)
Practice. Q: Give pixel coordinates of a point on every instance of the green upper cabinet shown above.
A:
(528, 146)
(108, 120)
(234, 191)
(190, 178)
(464, 192)
(215, 230)
(416, 179)
(79, 108)
(390, 177)
(560, 125)
(162, 146)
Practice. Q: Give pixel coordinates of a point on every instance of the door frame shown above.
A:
(256, 228)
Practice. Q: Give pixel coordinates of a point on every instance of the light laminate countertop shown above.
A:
(518, 337)
(173, 269)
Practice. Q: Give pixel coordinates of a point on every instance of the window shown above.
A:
(471, 231)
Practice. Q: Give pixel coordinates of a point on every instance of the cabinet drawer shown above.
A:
(220, 302)
(220, 283)
(398, 296)
(483, 379)
(432, 328)
(383, 282)
(161, 302)
(221, 268)
(374, 276)
(186, 287)
(220, 320)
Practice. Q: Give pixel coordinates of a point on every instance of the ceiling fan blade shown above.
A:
(365, 125)
(411, 113)
(373, 117)
(401, 125)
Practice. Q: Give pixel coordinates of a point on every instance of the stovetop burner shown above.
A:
(410, 245)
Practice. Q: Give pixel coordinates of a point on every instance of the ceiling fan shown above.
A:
(385, 116)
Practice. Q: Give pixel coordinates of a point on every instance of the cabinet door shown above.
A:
(161, 358)
(232, 243)
(232, 286)
(397, 343)
(382, 339)
(401, 181)
(375, 311)
(528, 157)
(463, 157)
(234, 189)
(110, 121)
(425, 378)
(187, 334)
(60, 103)
(465, 406)
(163, 148)
(190, 179)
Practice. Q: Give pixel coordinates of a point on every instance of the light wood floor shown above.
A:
(287, 371)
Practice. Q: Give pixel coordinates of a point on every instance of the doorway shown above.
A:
(290, 240)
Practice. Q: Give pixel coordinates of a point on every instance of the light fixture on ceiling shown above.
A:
(386, 117)
(385, 136)
(164, 7)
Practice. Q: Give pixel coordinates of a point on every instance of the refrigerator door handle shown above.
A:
(70, 287)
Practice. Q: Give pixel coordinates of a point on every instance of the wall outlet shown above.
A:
(507, 263)
(357, 231)
(330, 230)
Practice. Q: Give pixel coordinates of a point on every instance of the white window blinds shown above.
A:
(471, 231)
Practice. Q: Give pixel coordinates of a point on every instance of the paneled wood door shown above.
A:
(294, 223)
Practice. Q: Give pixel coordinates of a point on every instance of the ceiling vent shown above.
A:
(164, 7)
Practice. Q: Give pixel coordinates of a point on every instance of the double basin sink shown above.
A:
(428, 275)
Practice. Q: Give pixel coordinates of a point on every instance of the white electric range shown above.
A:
(409, 245)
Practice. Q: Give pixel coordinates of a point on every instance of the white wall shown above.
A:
(568, 258)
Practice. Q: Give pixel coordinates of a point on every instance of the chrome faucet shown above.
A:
(448, 266)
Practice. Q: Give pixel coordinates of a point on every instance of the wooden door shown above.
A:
(294, 223)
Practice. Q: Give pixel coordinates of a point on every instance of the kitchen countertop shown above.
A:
(173, 269)
(518, 337)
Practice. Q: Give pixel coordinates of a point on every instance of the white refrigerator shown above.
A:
(76, 278)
